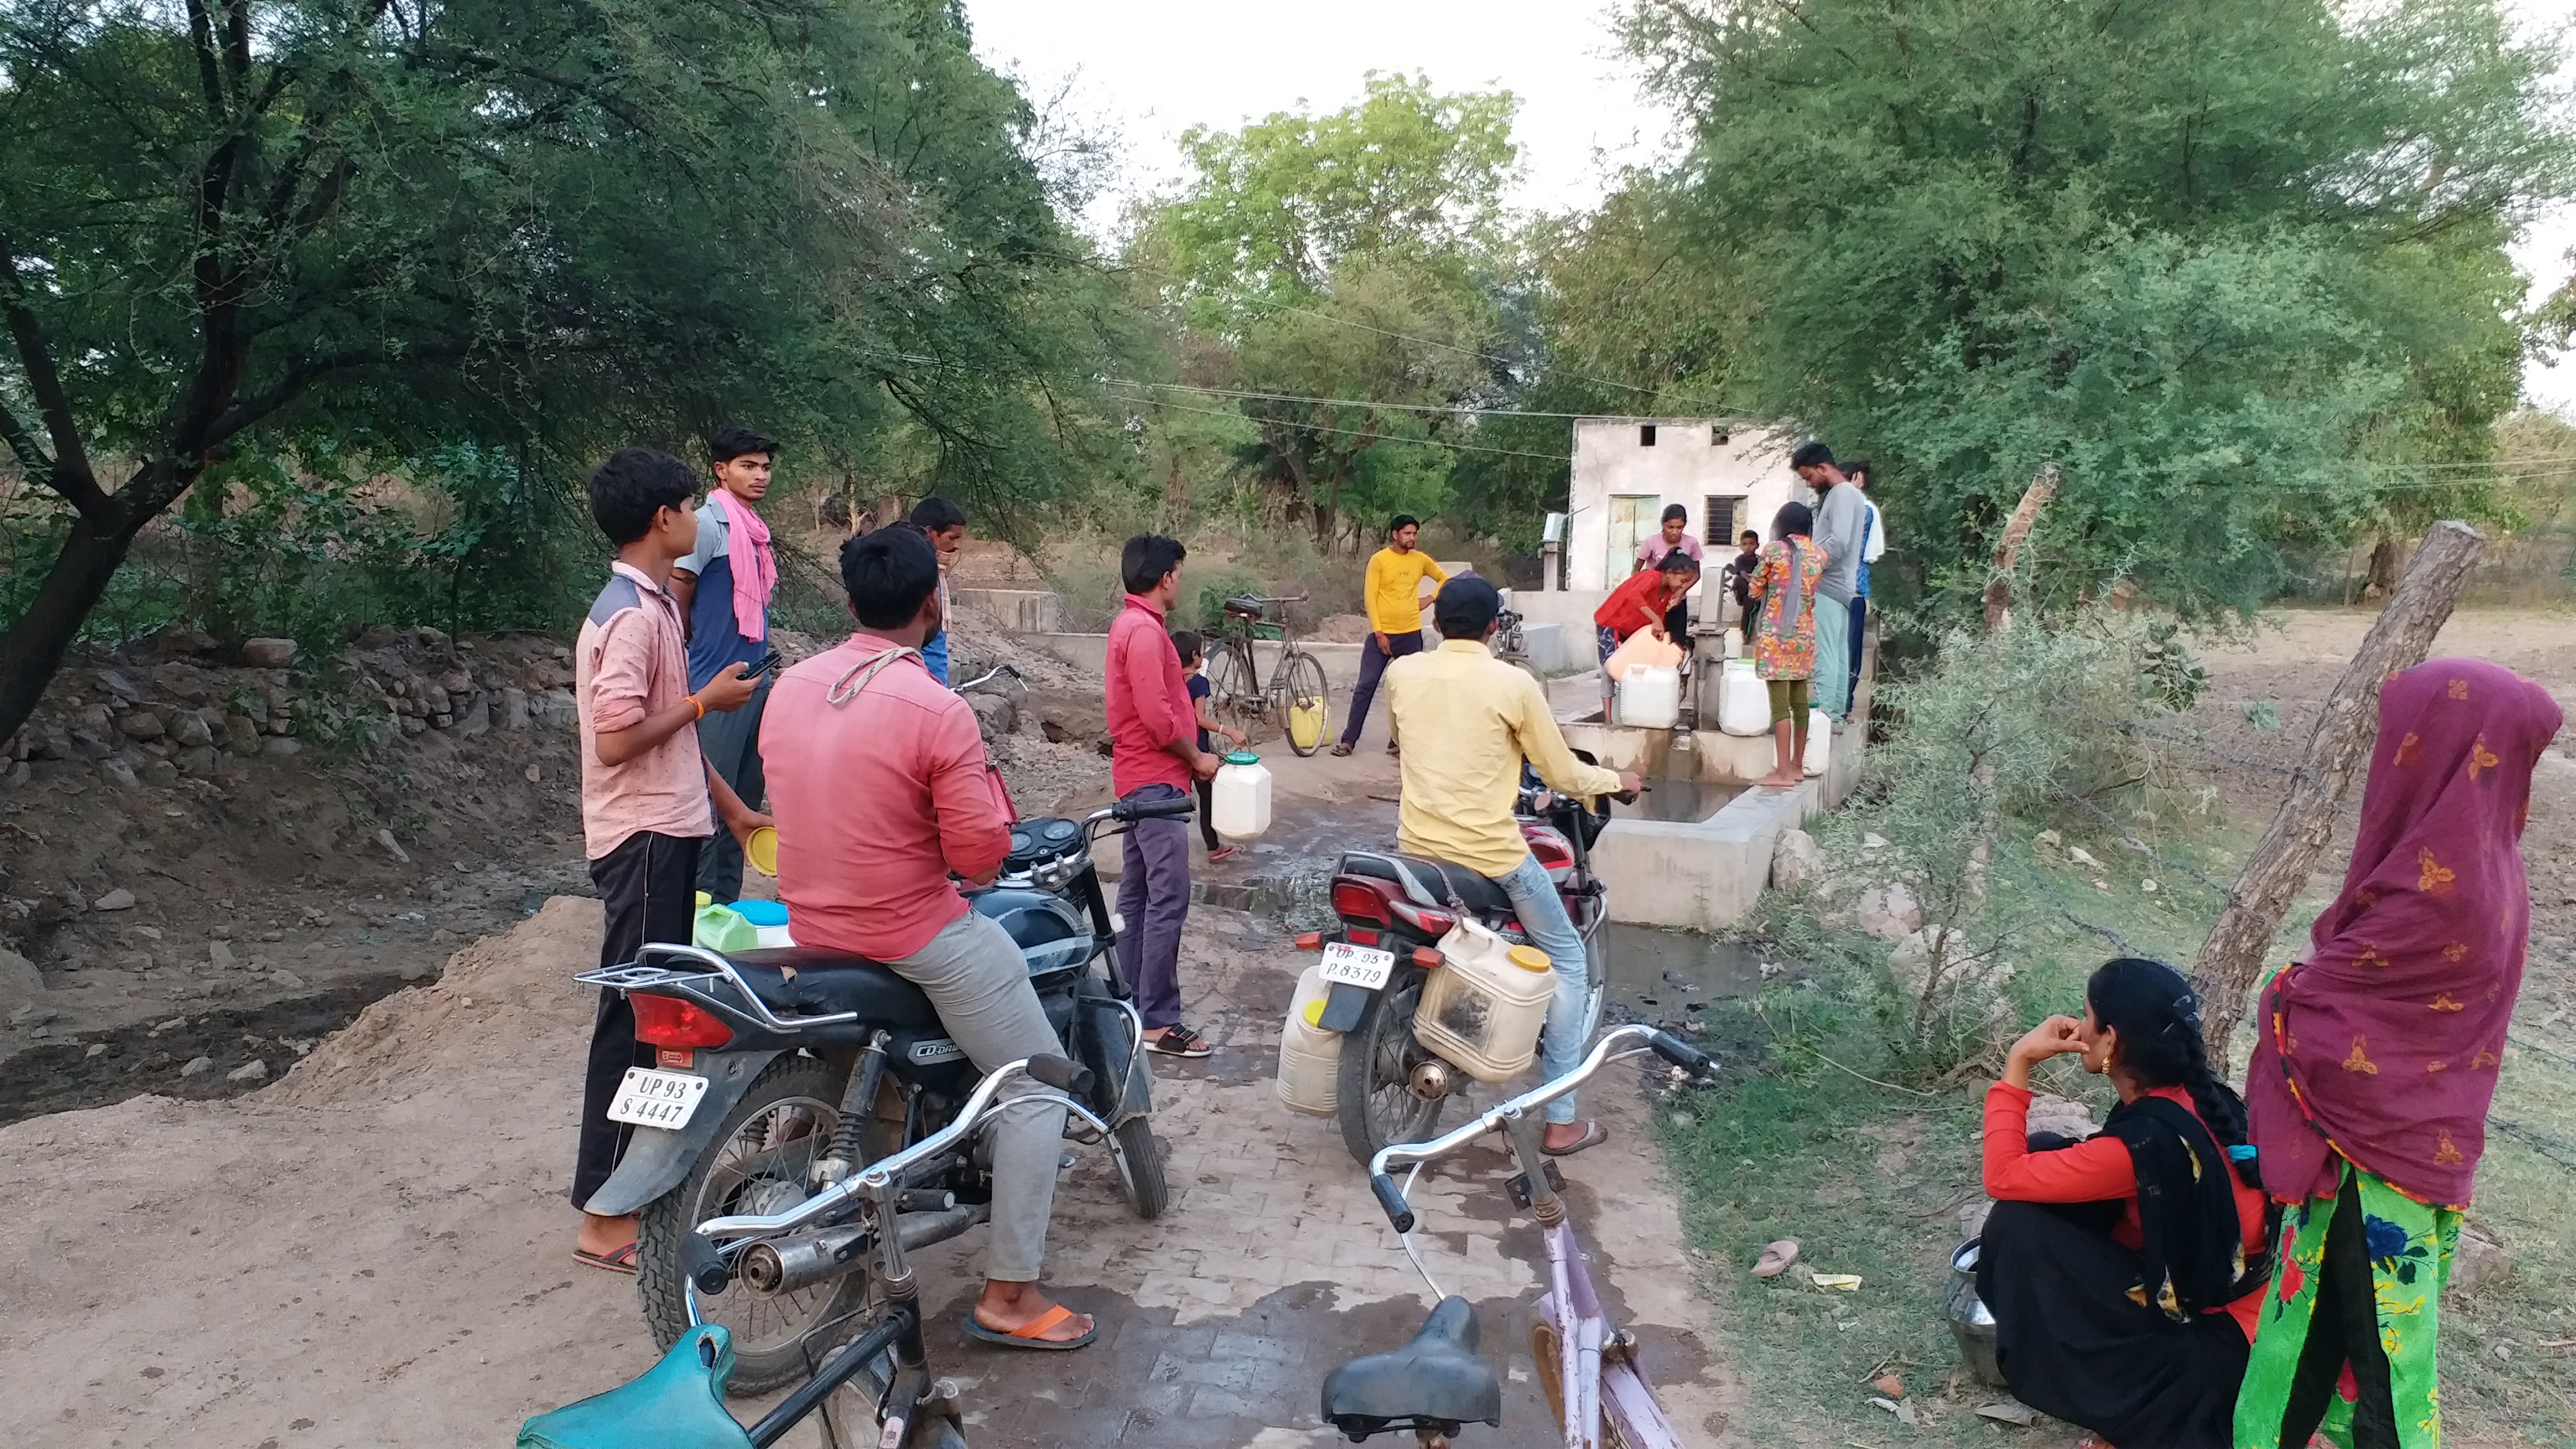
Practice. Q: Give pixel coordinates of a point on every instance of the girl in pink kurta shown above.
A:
(1783, 590)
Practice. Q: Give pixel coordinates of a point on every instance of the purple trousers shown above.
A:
(1153, 901)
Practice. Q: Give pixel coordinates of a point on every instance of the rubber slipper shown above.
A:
(1223, 852)
(615, 1260)
(1341, 752)
(1180, 1041)
(1776, 1258)
(1026, 1336)
(1594, 1134)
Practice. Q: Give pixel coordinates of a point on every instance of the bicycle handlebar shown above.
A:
(1663, 1044)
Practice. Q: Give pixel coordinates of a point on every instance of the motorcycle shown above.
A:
(1394, 909)
(780, 1073)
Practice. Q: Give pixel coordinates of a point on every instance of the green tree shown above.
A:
(539, 228)
(2235, 265)
(1346, 257)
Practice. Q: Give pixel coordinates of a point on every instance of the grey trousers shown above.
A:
(974, 975)
(731, 742)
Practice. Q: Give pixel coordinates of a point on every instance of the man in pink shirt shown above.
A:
(878, 777)
(1154, 755)
(645, 789)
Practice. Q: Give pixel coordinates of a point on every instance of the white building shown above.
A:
(1729, 476)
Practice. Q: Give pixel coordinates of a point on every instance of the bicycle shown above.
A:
(1297, 700)
(896, 1400)
(1436, 1385)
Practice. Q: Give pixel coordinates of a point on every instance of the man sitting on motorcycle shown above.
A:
(882, 796)
(1468, 720)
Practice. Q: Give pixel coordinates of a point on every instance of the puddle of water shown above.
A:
(1682, 800)
(1660, 975)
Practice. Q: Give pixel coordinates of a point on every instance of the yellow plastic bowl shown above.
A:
(762, 850)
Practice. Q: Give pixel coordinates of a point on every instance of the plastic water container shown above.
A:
(1734, 642)
(769, 919)
(723, 929)
(1306, 723)
(1743, 700)
(1482, 1013)
(1650, 697)
(1240, 797)
(1820, 742)
(1310, 1058)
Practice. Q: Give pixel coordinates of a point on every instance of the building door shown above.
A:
(1634, 518)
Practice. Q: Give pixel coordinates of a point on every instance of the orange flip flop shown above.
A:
(1026, 1335)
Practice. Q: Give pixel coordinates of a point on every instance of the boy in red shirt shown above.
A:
(1154, 755)
(645, 789)
(1645, 601)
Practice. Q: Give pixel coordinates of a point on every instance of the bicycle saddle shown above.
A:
(1435, 1382)
(677, 1404)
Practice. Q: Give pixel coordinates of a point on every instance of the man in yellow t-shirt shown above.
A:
(1394, 590)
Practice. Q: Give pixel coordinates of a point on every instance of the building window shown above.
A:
(1646, 435)
(1721, 513)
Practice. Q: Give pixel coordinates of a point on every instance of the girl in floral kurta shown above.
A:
(2375, 1060)
(1783, 589)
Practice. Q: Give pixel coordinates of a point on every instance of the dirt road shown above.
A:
(375, 1251)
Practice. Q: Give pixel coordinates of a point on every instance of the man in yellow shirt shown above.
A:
(1473, 719)
(1394, 590)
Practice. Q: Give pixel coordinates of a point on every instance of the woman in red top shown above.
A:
(2124, 1271)
(1642, 602)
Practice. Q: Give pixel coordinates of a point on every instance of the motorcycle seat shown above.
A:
(1432, 883)
(1436, 1381)
(679, 1403)
(825, 981)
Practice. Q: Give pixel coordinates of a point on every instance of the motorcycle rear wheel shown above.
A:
(1373, 1092)
(757, 1163)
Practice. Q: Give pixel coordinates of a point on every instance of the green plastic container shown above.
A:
(722, 928)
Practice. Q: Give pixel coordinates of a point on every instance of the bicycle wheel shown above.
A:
(1303, 701)
(1234, 689)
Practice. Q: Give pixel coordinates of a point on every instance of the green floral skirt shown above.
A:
(2409, 1246)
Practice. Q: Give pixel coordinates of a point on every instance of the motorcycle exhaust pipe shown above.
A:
(786, 1265)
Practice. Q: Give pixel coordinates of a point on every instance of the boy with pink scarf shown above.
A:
(724, 586)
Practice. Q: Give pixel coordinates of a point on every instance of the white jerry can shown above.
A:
(1820, 742)
(1240, 797)
(1310, 1058)
(1743, 700)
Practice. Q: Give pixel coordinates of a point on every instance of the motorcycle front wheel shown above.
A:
(1373, 1092)
(760, 1162)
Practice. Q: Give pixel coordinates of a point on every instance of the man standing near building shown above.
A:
(1154, 755)
(1841, 514)
(1674, 534)
(1873, 542)
(1394, 592)
(724, 586)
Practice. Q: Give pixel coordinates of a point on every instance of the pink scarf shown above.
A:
(755, 569)
(2383, 1046)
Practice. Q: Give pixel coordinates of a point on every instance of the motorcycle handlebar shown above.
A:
(1178, 808)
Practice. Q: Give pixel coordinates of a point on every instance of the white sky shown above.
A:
(1154, 68)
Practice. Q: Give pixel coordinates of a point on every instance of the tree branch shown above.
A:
(67, 472)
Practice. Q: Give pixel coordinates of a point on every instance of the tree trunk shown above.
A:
(36, 641)
(1999, 594)
(2233, 955)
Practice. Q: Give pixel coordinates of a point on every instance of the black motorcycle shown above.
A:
(780, 1073)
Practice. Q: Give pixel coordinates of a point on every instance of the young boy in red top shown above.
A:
(645, 789)
(1154, 755)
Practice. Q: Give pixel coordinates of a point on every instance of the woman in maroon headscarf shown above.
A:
(2376, 1059)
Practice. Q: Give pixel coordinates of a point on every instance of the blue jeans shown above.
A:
(1544, 920)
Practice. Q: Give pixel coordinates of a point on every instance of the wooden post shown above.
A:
(2232, 957)
(1999, 593)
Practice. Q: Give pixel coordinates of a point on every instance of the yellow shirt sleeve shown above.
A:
(1543, 745)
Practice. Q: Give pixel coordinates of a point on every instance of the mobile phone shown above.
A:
(768, 662)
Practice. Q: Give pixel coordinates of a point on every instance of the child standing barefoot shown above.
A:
(1193, 652)
(1783, 590)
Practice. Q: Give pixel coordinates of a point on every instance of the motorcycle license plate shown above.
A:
(650, 1098)
(1349, 965)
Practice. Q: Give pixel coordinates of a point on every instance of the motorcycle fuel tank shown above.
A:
(1049, 931)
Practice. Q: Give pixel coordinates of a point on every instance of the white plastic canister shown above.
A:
(1482, 1012)
(1241, 797)
(769, 918)
(1310, 1057)
(1820, 742)
(1743, 700)
(1650, 697)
